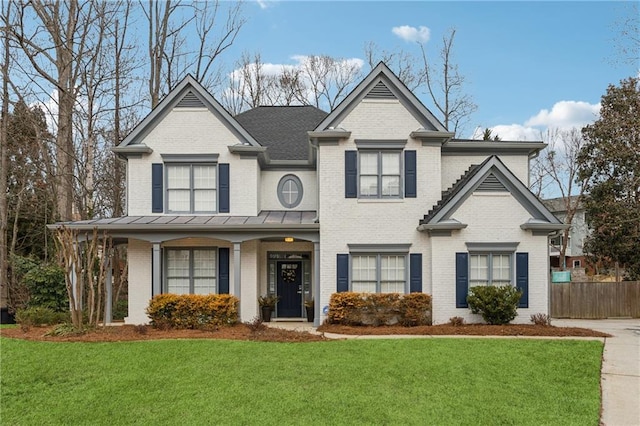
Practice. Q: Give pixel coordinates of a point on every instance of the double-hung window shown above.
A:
(190, 271)
(380, 173)
(490, 269)
(191, 188)
(378, 273)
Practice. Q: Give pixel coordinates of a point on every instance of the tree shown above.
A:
(445, 85)
(609, 164)
(487, 135)
(557, 168)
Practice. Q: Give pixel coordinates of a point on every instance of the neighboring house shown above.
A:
(574, 256)
(375, 196)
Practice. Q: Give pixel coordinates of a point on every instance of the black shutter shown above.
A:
(462, 279)
(223, 188)
(351, 174)
(410, 174)
(342, 267)
(415, 273)
(156, 188)
(522, 278)
(223, 270)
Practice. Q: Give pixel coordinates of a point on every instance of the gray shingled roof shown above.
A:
(282, 129)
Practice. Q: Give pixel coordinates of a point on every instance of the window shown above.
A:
(191, 188)
(290, 191)
(190, 271)
(379, 174)
(490, 269)
(577, 264)
(378, 273)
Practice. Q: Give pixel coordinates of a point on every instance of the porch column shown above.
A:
(156, 285)
(316, 284)
(236, 273)
(108, 308)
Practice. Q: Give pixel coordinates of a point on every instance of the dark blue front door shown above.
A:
(289, 276)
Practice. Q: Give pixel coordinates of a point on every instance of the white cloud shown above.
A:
(264, 3)
(565, 115)
(409, 33)
(511, 132)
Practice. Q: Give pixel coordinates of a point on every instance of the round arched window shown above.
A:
(290, 191)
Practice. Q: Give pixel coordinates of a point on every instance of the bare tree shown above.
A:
(170, 55)
(329, 79)
(4, 133)
(403, 63)
(445, 85)
(557, 169)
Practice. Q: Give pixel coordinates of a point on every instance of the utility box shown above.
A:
(561, 276)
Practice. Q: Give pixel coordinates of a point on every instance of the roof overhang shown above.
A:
(442, 228)
(431, 137)
(457, 147)
(540, 227)
(132, 150)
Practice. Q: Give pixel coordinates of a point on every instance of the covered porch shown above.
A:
(275, 252)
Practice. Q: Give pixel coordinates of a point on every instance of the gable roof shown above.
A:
(492, 170)
(391, 86)
(188, 93)
(282, 129)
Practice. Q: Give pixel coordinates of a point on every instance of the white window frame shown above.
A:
(490, 279)
(192, 278)
(379, 175)
(191, 188)
(379, 251)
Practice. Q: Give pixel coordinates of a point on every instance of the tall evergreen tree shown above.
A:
(609, 163)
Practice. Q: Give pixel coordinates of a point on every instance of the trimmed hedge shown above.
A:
(497, 304)
(40, 315)
(349, 308)
(193, 311)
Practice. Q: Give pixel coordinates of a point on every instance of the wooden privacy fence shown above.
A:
(590, 300)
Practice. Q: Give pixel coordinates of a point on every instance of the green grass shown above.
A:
(417, 381)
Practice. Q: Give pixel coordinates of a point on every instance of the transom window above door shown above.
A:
(191, 188)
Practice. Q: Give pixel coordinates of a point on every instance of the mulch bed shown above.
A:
(244, 332)
(467, 330)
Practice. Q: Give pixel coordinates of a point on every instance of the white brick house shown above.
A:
(375, 196)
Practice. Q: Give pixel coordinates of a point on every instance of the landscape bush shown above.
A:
(39, 315)
(350, 308)
(541, 319)
(497, 304)
(191, 311)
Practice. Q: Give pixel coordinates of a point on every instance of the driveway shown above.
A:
(620, 376)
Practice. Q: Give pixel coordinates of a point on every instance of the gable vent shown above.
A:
(491, 183)
(380, 91)
(190, 100)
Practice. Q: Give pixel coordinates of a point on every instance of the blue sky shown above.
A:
(519, 58)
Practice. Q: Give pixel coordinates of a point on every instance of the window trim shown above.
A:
(165, 269)
(191, 188)
(404, 254)
(379, 151)
(490, 254)
(280, 190)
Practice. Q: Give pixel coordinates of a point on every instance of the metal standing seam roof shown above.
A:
(282, 129)
(266, 219)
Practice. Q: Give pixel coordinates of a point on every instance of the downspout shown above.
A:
(316, 146)
(532, 156)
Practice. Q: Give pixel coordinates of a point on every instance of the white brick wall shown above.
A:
(351, 221)
(492, 218)
(193, 131)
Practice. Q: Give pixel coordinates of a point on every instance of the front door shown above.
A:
(289, 278)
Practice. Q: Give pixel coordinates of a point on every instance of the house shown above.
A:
(574, 256)
(375, 196)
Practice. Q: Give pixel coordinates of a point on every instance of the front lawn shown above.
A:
(421, 381)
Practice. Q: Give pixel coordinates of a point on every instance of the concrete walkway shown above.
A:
(620, 375)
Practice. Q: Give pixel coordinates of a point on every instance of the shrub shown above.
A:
(349, 308)
(47, 287)
(496, 304)
(541, 319)
(65, 329)
(456, 321)
(193, 311)
(255, 324)
(38, 316)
